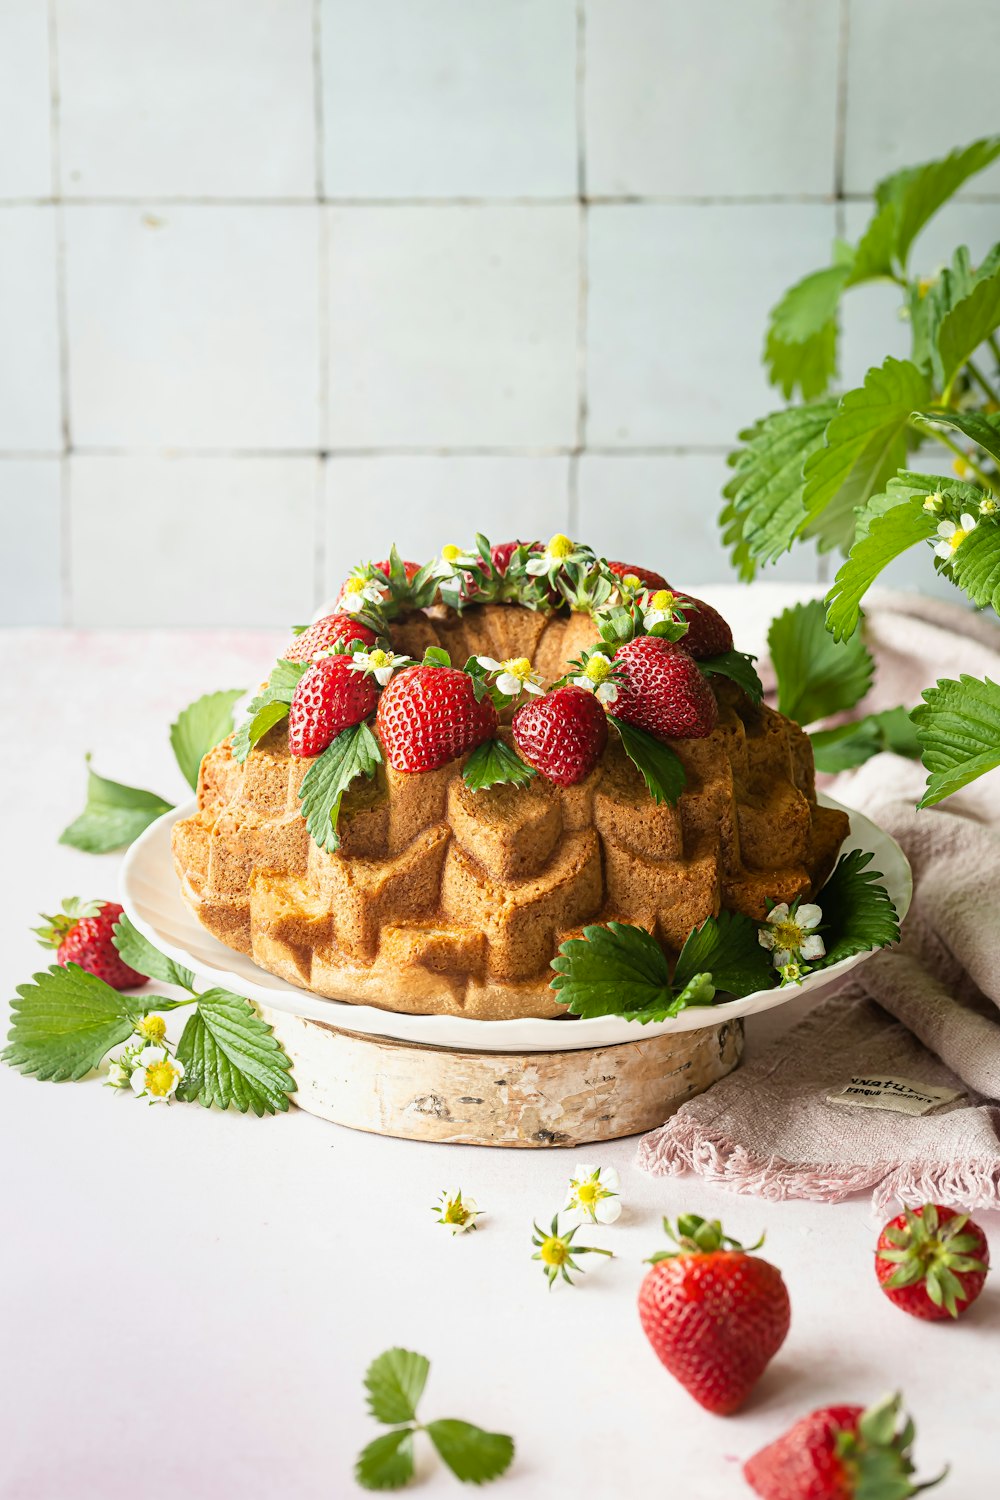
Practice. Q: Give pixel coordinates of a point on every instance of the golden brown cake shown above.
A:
(441, 899)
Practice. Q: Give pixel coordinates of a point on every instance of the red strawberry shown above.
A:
(330, 697)
(82, 932)
(707, 632)
(411, 569)
(662, 691)
(562, 734)
(714, 1313)
(647, 578)
(837, 1453)
(429, 715)
(932, 1262)
(327, 633)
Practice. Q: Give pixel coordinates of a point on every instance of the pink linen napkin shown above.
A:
(921, 1018)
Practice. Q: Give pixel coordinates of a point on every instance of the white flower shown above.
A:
(118, 1075)
(558, 551)
(456, 1213)
(452, 561)
(934, 502)
(988, 506)
(659, 608)
(593, 1194)
(597, 677)
(380, 664)
(515, 675)
(789, 935)
(953, 536)
(354, 598)
(156, 1074)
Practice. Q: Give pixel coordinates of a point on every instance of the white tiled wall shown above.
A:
(282, 281)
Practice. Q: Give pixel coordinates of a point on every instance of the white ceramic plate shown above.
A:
(150, 894)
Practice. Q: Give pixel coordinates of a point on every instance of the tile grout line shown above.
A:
(322, 312)
(62, 325)
(594, 200)
(840, 121)
(175, 454)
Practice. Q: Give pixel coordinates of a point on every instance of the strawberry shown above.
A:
(837, 1453)
(647, 578)
(662, 691)
(714, 1313)
(429, 715)
(82, 933)
(562, 734)
(325, 635)
(932, 1262)
(330, 697)
(707, 632)
(411, 569)
(502, 552)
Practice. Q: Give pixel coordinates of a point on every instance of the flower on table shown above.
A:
(790, 935)
(514, 675)
(379, 664)
(155, 1075)
(953, 534)
(593, 1194)
(152, 1029)
(556, 1250)
(598, 676)
(456, 1213)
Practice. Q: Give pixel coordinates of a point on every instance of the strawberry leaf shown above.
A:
(621, 970)
(269, 706)
(387, 1462)
(958, 726)
(816, 676)
(140, 954)
(395, 1382)
(983, 428)
(739, 667)
(230, 1057)
(355, 752)
(199, 728)
(858, 914)
(661, 768)
(801, 349)
(883, 535)
(472, 1455)
(765, 512)
(727, 948)
(66, 1021)
(852, 744)
(494, 763)
(114, 815)
(966, 326)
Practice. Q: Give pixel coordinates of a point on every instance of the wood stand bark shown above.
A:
(568, 1098)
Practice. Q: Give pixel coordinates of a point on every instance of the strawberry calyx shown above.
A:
(876, 1453)
(58, 927)
(694, 1235)
(925, 1250)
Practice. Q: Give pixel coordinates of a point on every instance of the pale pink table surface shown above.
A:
(190, 1298)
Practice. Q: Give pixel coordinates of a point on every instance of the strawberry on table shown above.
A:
(932, 1261)
(333, 695)
(562, 734)
(715, 1313)
(661, 690)
(82, 934)
(325, 635)
(428, 715)
(839, 1453)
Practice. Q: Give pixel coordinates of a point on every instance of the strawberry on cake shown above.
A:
(468, 761)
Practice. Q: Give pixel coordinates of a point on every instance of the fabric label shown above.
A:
(904, 1095)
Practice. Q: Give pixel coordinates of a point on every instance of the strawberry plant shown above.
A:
(836, 469)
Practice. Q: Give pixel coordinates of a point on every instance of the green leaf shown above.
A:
(958, 726)
(436, 656)
(494, 763)
(67, 1020)
(661, 768)
(472, 1455)
(918, 192)
(929, 304)
(765, 512)
(739, 667)
(726, 947)
(387, 1462)
(801, 348)
(857, 912)
(816, 676)
(982, 428)
(966, 326)
(199, 728)
(269, 706)
(354, 752)
(141, 955)
(113, 816)
(865, 444)
(852, 744)
(621, 970)
(874, 252)
(975, 565)
(230, 1057)
(882, 536)
(395, 1382)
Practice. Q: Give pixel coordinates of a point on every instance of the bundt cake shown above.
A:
(467, 762)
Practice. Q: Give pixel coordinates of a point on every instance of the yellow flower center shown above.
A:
(559, 546)
(988, 507)
(587, 1193)
(153, 1028)
(957, 538)
(598, 668)
(160, 1078)
(662, 599)
(934, 502)
(961, 468)
(631, 580)
(517, 666)
(451, 553)
(455, 1212)
(553, 1250)
(379, 658)
(788, 934)
(924, 285)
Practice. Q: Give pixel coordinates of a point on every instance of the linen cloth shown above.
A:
(927, 1010)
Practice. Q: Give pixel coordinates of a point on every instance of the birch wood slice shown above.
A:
(426, 1093)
